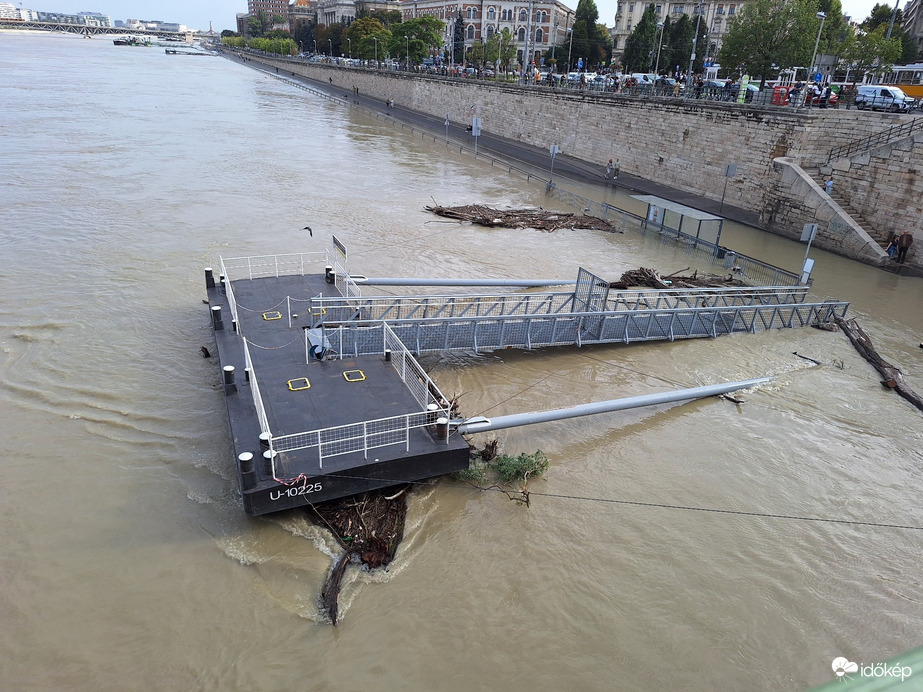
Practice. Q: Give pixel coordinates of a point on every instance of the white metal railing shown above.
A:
(579, 328)
(380, 432)
(391, 308)
(414, 377)
(262, 266)
(355, 437)
(255, 391)
(344, 282)
(232, 303)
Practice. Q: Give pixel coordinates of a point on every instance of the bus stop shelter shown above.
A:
(682, 221)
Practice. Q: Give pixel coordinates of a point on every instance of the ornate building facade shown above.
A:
(715, 15)
(547, 26)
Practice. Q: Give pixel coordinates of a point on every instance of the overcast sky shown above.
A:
(196, 14)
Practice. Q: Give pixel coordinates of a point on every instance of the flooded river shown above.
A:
(129, 564)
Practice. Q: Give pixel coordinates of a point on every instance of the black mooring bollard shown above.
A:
(209, 278)
(442, 428)
(230, 387)
(328, 274)
(216, 318)
(268, 456)
(247, 472)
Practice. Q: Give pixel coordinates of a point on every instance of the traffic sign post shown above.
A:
(475, 132)
(807, 234)
(555, 150)
(729, 172)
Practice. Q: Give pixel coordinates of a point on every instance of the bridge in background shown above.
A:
(87, 30)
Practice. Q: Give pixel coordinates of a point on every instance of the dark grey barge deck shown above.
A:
(306, 430)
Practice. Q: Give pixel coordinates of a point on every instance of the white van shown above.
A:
(645, 78)
(887, 98)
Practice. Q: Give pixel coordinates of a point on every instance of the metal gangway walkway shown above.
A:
(591, 314)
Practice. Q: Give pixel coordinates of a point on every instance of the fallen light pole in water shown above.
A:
(481, 424)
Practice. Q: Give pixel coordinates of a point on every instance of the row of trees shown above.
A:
(424, 37)
(771, 35)
(676, 40)
(765, 37)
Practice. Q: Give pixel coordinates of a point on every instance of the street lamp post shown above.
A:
(407, 51)
(330, 41)
(821, 16)
(659, 45)
(692, 55)
(350, 43)
(570, 48)
(315, 46)
(376, 51)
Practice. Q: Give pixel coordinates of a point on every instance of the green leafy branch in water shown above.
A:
(486, 465)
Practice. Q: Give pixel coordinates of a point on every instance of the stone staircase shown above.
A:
(880, 237)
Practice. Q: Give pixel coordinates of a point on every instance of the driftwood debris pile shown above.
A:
(651, 278)
(538, 219)
(368, 527)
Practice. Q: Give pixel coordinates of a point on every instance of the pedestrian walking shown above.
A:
(903, 245)
(609, 170)
(828, 185)
(892, 247)
(616, 168)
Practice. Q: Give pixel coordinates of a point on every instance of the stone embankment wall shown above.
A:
(682, 143)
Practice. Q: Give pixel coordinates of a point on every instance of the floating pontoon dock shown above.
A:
(326, 400)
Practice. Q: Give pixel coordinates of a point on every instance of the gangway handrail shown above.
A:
(389, 308)
(580, 328)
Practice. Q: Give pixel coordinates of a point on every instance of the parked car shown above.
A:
(887, 98)
(813, 99)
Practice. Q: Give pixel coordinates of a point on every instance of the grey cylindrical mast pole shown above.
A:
(481, 424)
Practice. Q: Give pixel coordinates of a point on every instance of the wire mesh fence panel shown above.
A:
(412, 374)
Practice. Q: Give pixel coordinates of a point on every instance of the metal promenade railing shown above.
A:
(333, 310)
(579, 328)
(876, 139)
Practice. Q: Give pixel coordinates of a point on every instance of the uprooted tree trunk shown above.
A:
(894, 378)
(369, 527)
